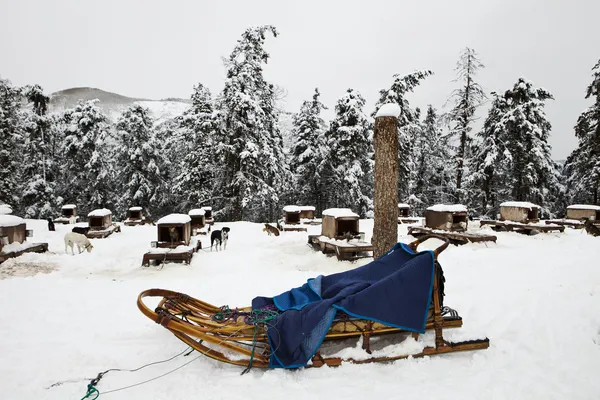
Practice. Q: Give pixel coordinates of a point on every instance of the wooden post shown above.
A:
(385, 190)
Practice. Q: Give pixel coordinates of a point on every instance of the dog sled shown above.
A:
(393, 299)
(578, 215)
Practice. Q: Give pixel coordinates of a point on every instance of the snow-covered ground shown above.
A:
(66, 318)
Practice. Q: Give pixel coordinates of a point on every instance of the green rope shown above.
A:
(92, 391)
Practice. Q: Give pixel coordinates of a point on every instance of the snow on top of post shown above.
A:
(403, 205)
(5, 209)
(571, 207)
(10, 220)
(291, 209)
(69, 206)
(197, 212)
(101, 212)
(388, 110)
(207, 208)
(135, 208)
(307, 208)
(339, 213)
(519, 204)
(175, 219)
(448, 208)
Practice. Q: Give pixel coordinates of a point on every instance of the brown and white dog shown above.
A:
(271, 230)
(82, 242)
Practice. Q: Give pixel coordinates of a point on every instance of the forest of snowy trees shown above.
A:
(227, 150)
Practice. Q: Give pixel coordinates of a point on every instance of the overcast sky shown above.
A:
(158, 49)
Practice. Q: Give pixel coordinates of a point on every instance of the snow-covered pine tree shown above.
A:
(402, 85)
(38, 173)
(87, 173)
(466, 100)
(194, 183)
(138, 181)
(347, 167)
(252, 162)
(582, 168)
(307, 152)
(10, 143)
(525, 130)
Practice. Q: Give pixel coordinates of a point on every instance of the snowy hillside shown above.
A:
(70, 317)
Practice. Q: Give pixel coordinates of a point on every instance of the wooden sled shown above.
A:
(232, 336)
(511, 226)
(456, 238)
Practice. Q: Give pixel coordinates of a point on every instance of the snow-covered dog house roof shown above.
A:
(174, 230)
(583, 211)
(136, 208)
(339, 221)
(12, 230)
(100, 219)
(5, 209)
(68, 210)
(135, 213)
(519, 211)
(196, 212)
(447, 217)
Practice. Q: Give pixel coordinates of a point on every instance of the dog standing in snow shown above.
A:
(51, 225)
(271, 230)
(82, 242)
(220, 237)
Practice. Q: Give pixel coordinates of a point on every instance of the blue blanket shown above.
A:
(395, 290)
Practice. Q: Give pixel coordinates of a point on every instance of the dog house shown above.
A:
(197, 216)
(291, 215)
(13, 236)
(174, 230)
(447, 217)
(583, 211)
(208, 217)
(307, 212)
(519, 211)
(403, 210)
(135, 216)
(68, 214)
(100, 224)
(338, 223)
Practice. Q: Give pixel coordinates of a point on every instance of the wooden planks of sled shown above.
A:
(565, 222)
(171, 256)
(101, 234)
(34, 248)
(344, 251)
(522, 228)
(456, 238)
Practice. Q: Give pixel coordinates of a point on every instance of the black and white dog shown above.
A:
(51, 225)
(219, 236)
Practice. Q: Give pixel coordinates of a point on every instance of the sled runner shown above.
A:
(399, 293)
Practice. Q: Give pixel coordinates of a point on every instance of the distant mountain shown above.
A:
(113, 104)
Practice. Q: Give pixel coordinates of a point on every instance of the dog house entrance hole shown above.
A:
(293, 218)
(96, 222)
(457, 219)
(67, 212)
(165, 234)
(345, 226)
(403, 212)
(208, 213)
(135, 214)
(598, 215)
(532, 213)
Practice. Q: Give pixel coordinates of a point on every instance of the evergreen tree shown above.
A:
(253, 164)
(582, 168)
(466, 100)
(139, 177)
(347, 168)
(194, 183)
(11, 136)
(307, 152)
(407, 123)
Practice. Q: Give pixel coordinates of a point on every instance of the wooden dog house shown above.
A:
(452, 217)
(198, 221)
(100, 224)
(13, 236)
(135, 216)
(174, 230)
(68, 214)
(403, 210)
(583, 211)
(339, 223)
(307, 212)
(519, 211)
(291, 220)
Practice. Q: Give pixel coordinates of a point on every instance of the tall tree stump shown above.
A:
(385, 191)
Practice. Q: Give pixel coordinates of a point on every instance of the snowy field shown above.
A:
(66, 318)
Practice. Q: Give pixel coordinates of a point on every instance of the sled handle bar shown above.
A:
(436, 252)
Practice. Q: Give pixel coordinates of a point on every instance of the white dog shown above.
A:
(80, 240)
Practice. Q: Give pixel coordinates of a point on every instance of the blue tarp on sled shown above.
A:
(395, 290)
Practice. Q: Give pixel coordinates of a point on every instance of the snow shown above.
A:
(174, 219)
(135, 208)
(583, 207)
(388, 110)
(544, 336)
(197, 212)
(307, 208)
(291, 209)
(5, 209)
(207, 208)
(101, 212)
(339, 213)
(403, 205)
(69, 206)
(520, 204)
(7, 221)
(15, 247)
(448, 208)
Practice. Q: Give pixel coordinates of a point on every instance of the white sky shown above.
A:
(158, 49)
